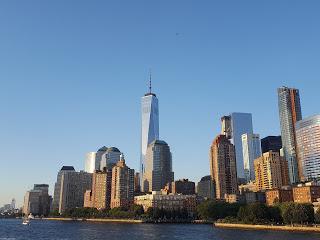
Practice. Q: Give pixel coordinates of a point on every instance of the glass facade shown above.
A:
(158, 167)
(251, 149)
(90, 162)
(149, 126)
(308, 148)
(289, 113)
(240, 123)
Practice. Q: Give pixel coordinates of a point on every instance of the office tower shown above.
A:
(158, 167)
(223, 166)
(233, 126)
(251, 149)
(206, 188)
(308, 148)
(122, 187)
(70, 188)
(289, 113)
(183, 186)
(271, 143)
(90, 162)
(149, 125)
(101, 151)
(13, 204)
(37, 201)
(100, 194)
(109, 158)
(226, 128)
(137, 186)
(271, 171)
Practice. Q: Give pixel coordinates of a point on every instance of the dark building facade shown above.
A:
(183, 186)
(271, 143)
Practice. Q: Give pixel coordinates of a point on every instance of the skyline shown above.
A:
(68, 91)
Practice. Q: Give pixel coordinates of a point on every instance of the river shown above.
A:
(11, 229)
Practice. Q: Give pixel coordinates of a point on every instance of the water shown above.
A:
(53, 230)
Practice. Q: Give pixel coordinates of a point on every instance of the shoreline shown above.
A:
(267, 227)
(115, 220)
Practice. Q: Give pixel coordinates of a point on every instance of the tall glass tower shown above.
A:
(289, 113)
(149, 125)
(233, 126)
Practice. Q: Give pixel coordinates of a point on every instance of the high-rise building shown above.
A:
(223, 166)
(206, 188)
(149, 126)
(233, 126)
(158, 167)
(90, 162)
(271, 171)
(109, 158)
(271, 143)
(137, 187)
(101, 151)
(70, 188)
(122, 187)
(251, 149)
(289, 113)
(183, 186)
(37, 200)
(100, 194)
(308, 148)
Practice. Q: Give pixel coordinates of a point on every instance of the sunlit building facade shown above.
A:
(90, 162)
(308, 148)
(158, 167)
(289, 113)
(149, 126)
(251, 150)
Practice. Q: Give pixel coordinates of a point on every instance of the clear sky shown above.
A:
(72, 74)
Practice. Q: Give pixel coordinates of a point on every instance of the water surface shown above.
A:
(53, 230)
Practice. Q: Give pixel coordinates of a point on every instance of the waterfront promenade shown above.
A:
(268, 227)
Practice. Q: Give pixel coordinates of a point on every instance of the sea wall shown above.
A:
(268, 227)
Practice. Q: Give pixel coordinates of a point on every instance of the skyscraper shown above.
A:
(271, 171)
(233, 126)
(70, 188)
(289, 113)
(308, 148)
(271, 143)
(158, 167)
(37, 200)
(251, 149)
(223, 166)
(109, 158)
(100, 194)
(149, 125)
(90, 162)
(122, 186)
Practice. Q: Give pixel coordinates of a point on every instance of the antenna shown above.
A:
(150, 83)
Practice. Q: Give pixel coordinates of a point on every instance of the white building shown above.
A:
(251, 150)
(149, 125)
(90, 162)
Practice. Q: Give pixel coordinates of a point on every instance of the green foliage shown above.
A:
(213, 210)
(254, 213)
(297, 213)
(168, 215)
(317, 216)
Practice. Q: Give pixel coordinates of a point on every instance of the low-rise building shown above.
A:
(167, 201)
(183, 186)
(307, 193)
(279, 195)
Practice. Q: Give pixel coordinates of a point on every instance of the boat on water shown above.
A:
(26, 221)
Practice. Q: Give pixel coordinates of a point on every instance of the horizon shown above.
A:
(73, 75)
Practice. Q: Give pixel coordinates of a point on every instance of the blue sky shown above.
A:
(72, 74)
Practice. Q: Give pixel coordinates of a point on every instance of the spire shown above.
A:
(150, 83)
